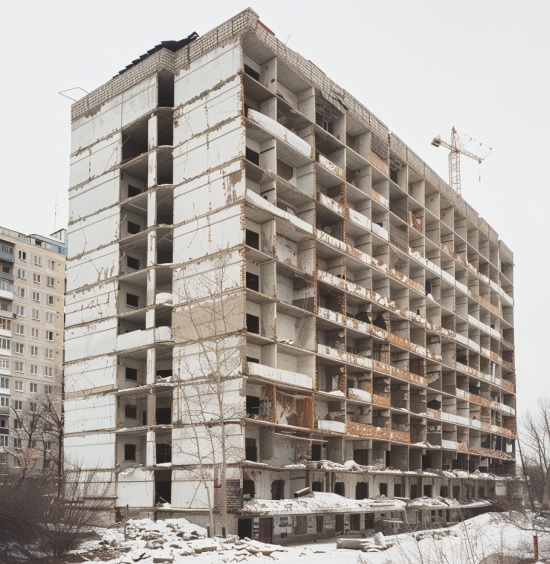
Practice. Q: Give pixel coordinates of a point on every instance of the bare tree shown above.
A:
(208, 322)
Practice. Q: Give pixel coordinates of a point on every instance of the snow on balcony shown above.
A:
(278, 375)
(332, 426)
(280, 132)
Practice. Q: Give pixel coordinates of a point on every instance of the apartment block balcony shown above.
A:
(6, 256)
(279, 375)
(331, 426)
(143, 338)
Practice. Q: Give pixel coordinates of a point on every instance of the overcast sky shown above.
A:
(420, 66)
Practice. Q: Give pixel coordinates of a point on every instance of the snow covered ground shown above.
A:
(177, 541)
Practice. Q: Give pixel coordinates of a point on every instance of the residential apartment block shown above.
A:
(270, 294)
(32, 290)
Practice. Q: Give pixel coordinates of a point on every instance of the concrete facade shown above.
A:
(32, 289)
(263, 278)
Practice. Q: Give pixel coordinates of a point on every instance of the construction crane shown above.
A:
(456, 149)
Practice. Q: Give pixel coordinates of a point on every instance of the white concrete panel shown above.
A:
(209, 111)
(93, 339)
(92, 267)
(95, 160)
(209, 234)
(211, 192)
(94, 450)
(90, 373)
(190, 491)
(135, 488)
(90, 413)
(100, 192)
(93, 232)
(208, 71)
(196, 156)
(90, 304)
(139, 100)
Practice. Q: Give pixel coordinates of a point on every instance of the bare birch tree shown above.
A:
(210, 320)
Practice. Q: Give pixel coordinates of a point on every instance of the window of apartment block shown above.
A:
(37, 260)
(4, 440)
(48, 371)
(36, 297)
(252, 239)
(20, 311)
(34, 370)
(129, 452)
(130, 411)
(4, 401)
(48, 389)
(33, 388)
(36, 278)
(132, 300)
(50, 281)
(22, 293)
(33, 407)
(19, 386)
(355, 522)
(252, 323)
(5, 344)
(17, 424)
(5, 324)
(51, 264)
(18, 405)
(131, 374)
(49, 335)
(19, 329)
(5, 363)
(34, 350)
(22, 255)
(362, 490)
(19, 348)
(132, 263)
(34, 332)
(50, 300)
(47, 445)
(383, 488)
(35, 314)
(21, 274)
(19, 366)
(4, 382)
(133, 228)
(3, 458)
(50, 317)
(48, 353)
(17, 443)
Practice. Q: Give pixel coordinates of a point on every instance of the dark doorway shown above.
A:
(164, 453)
(339, 524)
(249, 488)
(278, 489)
(383, 488)
(317, 486)
(163, 486)
(266, 530)
(163, 415)
(340, 488)
(245, 528)
(362, 490)
(414, 491)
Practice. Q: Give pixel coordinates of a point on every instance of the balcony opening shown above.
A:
(362, 490)
(252, 281)
(252, 405)
(316, 452)
(251, 450)
(163, 487)
(130, 411)
(164, 453)
(252, 323)
(131, 374)
(278, 489)
(252, 239)
(251, 72)
(253, 156)
(163, 416)
(132, 263)
(133, 191)
(340, 488)
(165, 90)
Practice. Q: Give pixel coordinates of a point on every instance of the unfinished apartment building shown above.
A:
(268, 291)
(32, 289)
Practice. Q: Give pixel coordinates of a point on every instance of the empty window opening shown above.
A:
(132, 300)
(456, 492)
(369, 520)
(164, 453)
(252, 239)
(163, 415)
(383, 488)
(428, 491)
(252, 406)
(133, 191)
(319, 524)
(362, 490)
(249, 489)
(397, 490)
(131, 374)
(340, 488)
(361, 456)
(244, 529)
(253, 156)
(339, 524)
(284, 170)
(130, 411)
(444, 491)
(130, 452)
(278, 489)
(133, 228)
(132, 263)
(355, 522)
(252, 281)
(251, 450)
(251, 72)
(165, 90)
(316, 452)
(163, 487)
(252, 323)
(317, 486)
(301, 525)
(414, 491)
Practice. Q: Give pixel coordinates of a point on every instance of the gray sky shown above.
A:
(421, 66)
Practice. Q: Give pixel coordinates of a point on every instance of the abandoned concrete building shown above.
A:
(270, 294)
(32, 289)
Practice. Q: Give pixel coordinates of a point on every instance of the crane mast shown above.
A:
(455, 150)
